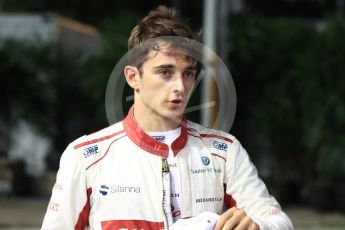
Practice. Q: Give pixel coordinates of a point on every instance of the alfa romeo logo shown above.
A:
(205, 160)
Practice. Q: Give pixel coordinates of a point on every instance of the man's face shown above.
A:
(165, 84)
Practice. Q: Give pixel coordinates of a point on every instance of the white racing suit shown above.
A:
(112, 179)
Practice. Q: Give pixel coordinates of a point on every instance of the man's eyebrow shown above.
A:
(192, 68)
(165, 66)
(171, 66)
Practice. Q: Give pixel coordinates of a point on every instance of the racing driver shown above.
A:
(155, 169)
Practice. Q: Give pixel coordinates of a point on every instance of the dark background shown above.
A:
(286, 59)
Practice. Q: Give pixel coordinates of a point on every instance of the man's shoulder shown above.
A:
(89, 149)
(106, 134)
(219, 143)
(208, 133)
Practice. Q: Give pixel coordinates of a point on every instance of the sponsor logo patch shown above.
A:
(159, 138)
(220, 145)
(131, 224)
(173, 195)
(209, 199)
(165, 165)
(53, 206)
(174, 165)
(208, 170)
(205, 160)
(118, 189)
(104, 190)
(89, 151)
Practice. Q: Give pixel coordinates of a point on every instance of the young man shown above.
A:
(155, 169)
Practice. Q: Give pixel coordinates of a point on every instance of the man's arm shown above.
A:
(69, 204)
(255, 208)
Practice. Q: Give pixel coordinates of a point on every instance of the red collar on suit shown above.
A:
(149, 144)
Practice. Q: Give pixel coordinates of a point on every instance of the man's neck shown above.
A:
(155, 123)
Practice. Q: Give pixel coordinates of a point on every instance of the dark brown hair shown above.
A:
(158, 23)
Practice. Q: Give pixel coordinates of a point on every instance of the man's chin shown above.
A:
(174, 115)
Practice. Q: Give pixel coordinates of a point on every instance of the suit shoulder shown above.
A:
(208, 133)
(103, 135)
(89, 149)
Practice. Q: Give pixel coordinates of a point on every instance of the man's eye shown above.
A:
(165, 73)
(189, 74)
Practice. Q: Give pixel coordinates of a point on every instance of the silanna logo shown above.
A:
(118, 189)
(104, 190)
(89, 151)
(220, 145)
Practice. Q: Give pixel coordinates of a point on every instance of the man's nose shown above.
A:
(179, 84)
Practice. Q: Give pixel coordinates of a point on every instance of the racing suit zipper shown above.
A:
(166, 193)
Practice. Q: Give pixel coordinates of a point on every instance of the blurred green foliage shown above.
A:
(321, 70)
(290, 84)
(43, 86)
(61, 94)
(263, 57)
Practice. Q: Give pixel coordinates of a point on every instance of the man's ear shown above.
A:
(132, 76)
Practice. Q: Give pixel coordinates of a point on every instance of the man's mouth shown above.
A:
(175, 103)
